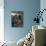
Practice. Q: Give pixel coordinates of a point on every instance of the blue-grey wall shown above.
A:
(29, 7)
(43, 6)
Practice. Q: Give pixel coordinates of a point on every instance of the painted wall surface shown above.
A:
(1, 20)
(43, 6)
(29, 7)
(1, 24)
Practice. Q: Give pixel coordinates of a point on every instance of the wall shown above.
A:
(1, 24)
(43, 6)
(1, 21)
(29, 7)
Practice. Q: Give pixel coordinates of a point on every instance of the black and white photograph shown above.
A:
(17, 18)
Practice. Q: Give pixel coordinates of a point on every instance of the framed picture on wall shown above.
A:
(17, 18)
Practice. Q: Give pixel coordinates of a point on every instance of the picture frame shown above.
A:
(17, 18)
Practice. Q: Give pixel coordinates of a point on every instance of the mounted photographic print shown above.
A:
(17, 18)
